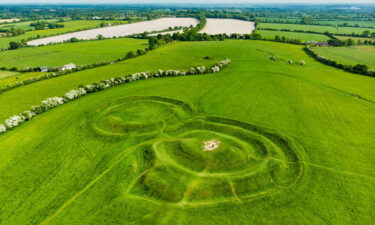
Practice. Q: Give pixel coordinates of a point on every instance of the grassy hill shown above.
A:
(80, 53)
(295, 143)
(350, 55)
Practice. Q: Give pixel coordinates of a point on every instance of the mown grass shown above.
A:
(350, 55)
(57, 169)
(23, 25)
(270, 34)
(70, 26)
(81, 53)
(316, 28)
(354, 38)
(5, 74)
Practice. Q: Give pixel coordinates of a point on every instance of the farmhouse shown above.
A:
(43, 69)
(68, 67)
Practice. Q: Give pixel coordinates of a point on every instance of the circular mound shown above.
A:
(196, 161)
(138, 114)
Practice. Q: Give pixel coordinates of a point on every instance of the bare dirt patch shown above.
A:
(228, 26)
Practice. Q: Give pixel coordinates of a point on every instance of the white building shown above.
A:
(68, 67)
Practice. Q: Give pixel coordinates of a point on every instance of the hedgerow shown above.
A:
(71, 95)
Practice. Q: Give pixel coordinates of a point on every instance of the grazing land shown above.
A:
(217, 124)
(350, 55)
(80, 53)
(121, 30)
(9, 20)
(270, 34)
(343, 38)
(137, 148)
(228, 26)
(316, 28)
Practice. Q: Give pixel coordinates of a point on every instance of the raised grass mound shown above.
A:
(247, 162)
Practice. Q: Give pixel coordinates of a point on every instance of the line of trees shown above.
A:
(71, 95)
(359, 68)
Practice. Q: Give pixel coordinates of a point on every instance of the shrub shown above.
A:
(2, 128)
(302, 62)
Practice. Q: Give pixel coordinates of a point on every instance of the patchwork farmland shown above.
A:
(204, 119)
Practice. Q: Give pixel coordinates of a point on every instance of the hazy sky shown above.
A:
(187, 1)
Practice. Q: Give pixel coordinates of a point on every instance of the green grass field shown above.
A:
(350, 55)
(70, 26)
(81, 53)
(359, 23)
(296, 143)
(316, 28)
(349, 22)
(6, 74)
(23, 25)
(354, 38)
(270, 34)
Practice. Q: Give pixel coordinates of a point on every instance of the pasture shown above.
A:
(350, 55)
(80, 53)
(270, 34)
(120, 30)
(133, 153)
(227, 26)
(316, 28)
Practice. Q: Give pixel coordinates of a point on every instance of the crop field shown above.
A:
(5, 74)
(247, 145)
(350, 55)
(23, 25)
(316, 28)
(228, 26)
(349, 22)
(270, 34)
(120, 30)
(354, 38)
(81, 53)
(8, 20)
(69, 27)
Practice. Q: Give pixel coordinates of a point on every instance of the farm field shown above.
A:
(69, 27)
(288, 138)
(8, 20)
(316, 28)
(350, 55)
(270, 34)
(80, 53)
(23, 25)
(349, 22)
(354, 38)
(121, 30)
(15, 77)
(228, 26)
(5, 74)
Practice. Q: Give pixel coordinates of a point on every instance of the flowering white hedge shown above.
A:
(50, 103)
(2, 128)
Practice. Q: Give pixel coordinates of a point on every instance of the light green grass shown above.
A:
(349, 22)
(5, 74)
(354, 38)
(79, 163)
(23, 25)
(270, 34)
(81, 53)
(350, 55)
(316, 28)
(70, 26)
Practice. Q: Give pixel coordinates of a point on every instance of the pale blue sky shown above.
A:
(188, 1)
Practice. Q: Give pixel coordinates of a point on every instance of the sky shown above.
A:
(186, 1)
